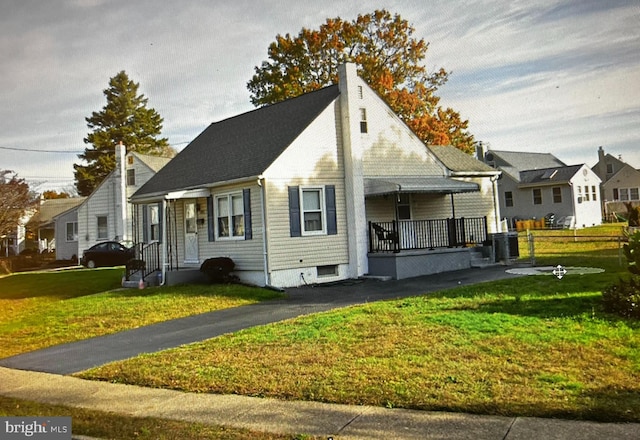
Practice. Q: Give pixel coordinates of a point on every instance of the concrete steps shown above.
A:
(479, 258)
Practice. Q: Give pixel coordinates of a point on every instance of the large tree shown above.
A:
(389, 59)
(125, 118)
(15, 200)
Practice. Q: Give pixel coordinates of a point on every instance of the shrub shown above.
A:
(218, 269)
(624, 298)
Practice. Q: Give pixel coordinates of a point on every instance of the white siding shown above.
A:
(587, 211)
(314, 159)
(65, 250)
(102, 202)
(390, 147)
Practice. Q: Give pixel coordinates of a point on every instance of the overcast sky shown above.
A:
(548, 76)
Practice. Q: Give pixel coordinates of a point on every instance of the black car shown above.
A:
(108, 253)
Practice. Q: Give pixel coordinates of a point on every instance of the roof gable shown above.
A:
(458, 161)
(155, 163)
(248, 143)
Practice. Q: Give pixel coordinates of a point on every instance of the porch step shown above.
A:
(479, 261)
(134, 282)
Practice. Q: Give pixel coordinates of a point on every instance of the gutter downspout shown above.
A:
(265, 253)
(496, 207)
(164, 242)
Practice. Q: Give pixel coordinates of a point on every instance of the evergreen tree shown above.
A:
(125, 118)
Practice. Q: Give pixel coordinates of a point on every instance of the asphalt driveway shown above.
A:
(82, 355)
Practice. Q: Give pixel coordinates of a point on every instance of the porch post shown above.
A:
(164, 242)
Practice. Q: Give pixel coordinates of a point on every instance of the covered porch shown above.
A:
(412, 244)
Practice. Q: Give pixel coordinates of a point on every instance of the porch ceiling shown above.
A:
(433, 185)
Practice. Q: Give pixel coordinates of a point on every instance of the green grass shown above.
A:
(531, 346)
(120, 427)
(43, 309)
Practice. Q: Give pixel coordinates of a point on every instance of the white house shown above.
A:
(536, 185)
(620, 184)
(106, 212)
(327, 186)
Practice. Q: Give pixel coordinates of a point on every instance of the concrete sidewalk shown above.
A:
(319, 419)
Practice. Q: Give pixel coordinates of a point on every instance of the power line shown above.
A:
(40, 151)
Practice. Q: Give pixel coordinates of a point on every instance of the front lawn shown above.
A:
(48, 308)
(531, 346)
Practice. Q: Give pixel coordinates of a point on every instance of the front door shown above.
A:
(190, 232)
(405, 225)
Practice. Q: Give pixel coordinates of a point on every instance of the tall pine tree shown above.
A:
(125, 118)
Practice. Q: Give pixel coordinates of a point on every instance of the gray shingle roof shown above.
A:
(554, 175)
(513, 162)
(458, 161)
(239, 147)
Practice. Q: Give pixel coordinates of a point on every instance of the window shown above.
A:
(130, 160)
(609, 168)
(327, 271)
(154, 222)
(633, 193)
(360, 92)
(594, 196)
(557, 194)
(616, 195)
(363, 120)
(624, 194)
(508, 198)
(312, 212)
(537, 196)
(103, 230)
(131, 177)
(586, 193)
(404, 207)
(230, 216)
(579, 194)
(72, 231)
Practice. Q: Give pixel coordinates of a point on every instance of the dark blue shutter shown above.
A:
(294, 211)
(211, 230)
(246, 198)
(160, 219)
(145, 223)
(330, 198)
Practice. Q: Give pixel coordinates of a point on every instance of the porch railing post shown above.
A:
(451, 232)
(370, 238)
(396, 236)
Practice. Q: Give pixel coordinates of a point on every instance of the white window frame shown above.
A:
(634, 194)
(153, 222)
(105, 236)
(131, 177)
(535, 199)
(322, 210)
(74, 231)
(228, 197)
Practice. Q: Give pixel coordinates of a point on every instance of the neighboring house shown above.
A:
(106, 213)
(66, 232)
(536, 185)
(43, 224)
(15, 242)
(327, 186)
(620, 184)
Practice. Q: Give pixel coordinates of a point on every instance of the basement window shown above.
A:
(327, 271)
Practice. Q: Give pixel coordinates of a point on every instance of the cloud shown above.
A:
(528, 75)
